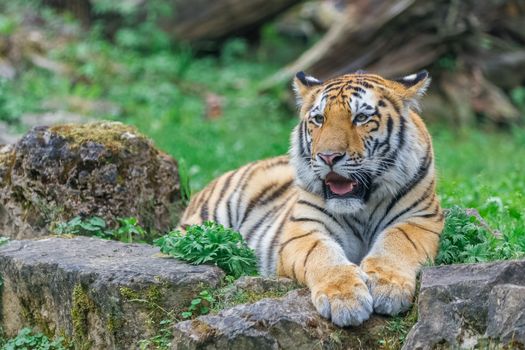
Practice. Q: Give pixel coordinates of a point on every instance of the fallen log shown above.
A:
(476, 46)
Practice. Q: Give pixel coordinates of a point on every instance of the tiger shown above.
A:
(351, 212)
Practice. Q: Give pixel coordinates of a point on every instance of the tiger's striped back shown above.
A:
(255, 200)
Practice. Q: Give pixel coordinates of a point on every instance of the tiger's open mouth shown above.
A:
(337, 186)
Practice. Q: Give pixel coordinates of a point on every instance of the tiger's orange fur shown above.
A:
(352, 211)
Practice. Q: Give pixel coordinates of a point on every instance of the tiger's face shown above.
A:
(355, 136)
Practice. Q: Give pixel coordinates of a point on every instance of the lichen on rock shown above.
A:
(104, 169)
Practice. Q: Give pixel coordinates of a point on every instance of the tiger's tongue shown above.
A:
(340, 187)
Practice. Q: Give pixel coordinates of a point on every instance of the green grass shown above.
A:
(484, 170)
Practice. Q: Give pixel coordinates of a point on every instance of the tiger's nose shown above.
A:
(331, 158)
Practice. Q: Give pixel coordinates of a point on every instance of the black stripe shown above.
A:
(356, 89)
(376, 143)
(302, 150)
(254, 228)
(247, 176)
(245, 179)
(330, 233)
(221, 195)
(229, 214)
(414, 204)
(393, 103)
(401, 142)
(322, 210)
(204, 211)
(420, 175)
(354, 230)
(332, 86)
(364, 84)
(285, 243)
(376, 123)
(406, 236)
(429, 215)
(401, 134)
(276, 236)
(307, 257)
(254, 200)
(389, 128)
(204, 214)
(423, 228)
(230, 198)
(260, 201)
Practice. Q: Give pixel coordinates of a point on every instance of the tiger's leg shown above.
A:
(338, 287)
(394, 260)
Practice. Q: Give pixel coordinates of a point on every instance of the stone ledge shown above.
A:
(289, 322)
(100, 294)
(469, 305)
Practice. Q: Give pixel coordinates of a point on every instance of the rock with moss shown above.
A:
(104, 169)
(287, 322)
(471, 306)
(97, 294)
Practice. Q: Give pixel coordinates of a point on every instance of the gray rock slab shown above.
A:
(462, 306)
(289, 322)
(506, 315)
(99, 294)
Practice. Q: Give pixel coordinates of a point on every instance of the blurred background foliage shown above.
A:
(209, 80)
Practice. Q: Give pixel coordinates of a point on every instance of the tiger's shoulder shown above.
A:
(231, 197)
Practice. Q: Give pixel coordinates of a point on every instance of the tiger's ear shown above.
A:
(302, 84)
(415, 85)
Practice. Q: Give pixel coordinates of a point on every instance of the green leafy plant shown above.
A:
(3, 240)
(128, 229)
(211, 243)
(28, 339)
(200, 305)
(93, 226)
(162, 339)
(464, 240)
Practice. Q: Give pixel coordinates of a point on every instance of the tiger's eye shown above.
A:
(319, 119)
(361, 118)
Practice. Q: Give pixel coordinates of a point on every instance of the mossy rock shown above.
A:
(104, 169)
(98, 294)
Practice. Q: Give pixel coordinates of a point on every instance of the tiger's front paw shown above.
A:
(343, 296)
(392, 290)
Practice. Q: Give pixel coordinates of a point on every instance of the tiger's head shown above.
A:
(358, 136)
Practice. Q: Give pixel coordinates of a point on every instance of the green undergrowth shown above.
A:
(211, 243)
(465, 239)
(127, 231)
(27, 339)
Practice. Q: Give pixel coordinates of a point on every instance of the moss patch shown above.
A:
(150, 299)
(230, 296)
(113, 135)
(82, 307)
(7, 161)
